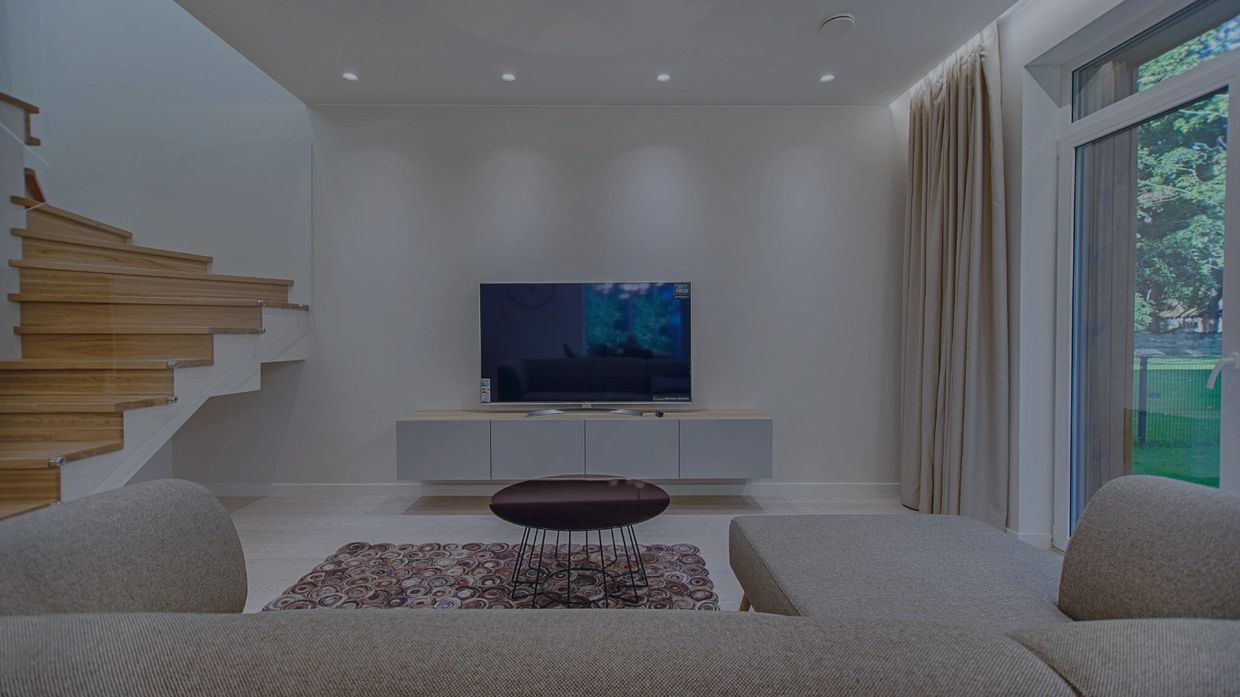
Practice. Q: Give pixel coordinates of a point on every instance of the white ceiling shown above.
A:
(733, 52)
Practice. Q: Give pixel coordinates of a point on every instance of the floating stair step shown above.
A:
(95, 364)
(152, 300)
(126, 329)
(140, 346)
(78, 404)
(84, 377)
(43, 314)
(10, 509)
(61, 427)
(87, 279)
(49, 246)
(41, 217)
(35, 456)
(29, 484)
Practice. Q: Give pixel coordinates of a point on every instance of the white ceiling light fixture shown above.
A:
(826, 77)
(663, 77)
(351, 77)
(836, 26)
(508, 77)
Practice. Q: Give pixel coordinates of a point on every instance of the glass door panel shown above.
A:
(1148, 300)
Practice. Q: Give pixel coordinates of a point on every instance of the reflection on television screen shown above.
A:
(585, 342)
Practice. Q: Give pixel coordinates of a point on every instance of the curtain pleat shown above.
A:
(954, 353)
(1106, 283)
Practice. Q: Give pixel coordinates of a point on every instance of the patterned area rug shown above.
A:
(477, 575)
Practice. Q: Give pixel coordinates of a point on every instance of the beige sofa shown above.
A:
(139, 592)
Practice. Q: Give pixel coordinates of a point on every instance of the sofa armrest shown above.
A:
(1151, 547)
(1125, 658)
(160, 546)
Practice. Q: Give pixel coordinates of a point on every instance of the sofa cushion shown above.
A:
(1154, 547)
(160, 546)
(506, 652)
(1142, 657)
(929, 568)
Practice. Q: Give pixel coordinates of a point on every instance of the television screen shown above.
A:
(585, 342)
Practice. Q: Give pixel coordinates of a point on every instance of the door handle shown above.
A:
(1230, 361)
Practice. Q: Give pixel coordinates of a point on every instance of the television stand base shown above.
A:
(575, 410)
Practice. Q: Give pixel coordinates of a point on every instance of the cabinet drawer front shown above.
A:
(642, 449)
(444, 450)
(725, 449)
(528, 449)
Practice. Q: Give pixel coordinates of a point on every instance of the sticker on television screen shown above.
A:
(486, 390)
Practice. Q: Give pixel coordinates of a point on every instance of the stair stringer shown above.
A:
(237, 368)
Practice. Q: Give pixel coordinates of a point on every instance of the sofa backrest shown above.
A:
(508, 652)
(1154, 547)
(160, 546)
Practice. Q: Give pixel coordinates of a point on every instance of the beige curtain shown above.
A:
(954, 360)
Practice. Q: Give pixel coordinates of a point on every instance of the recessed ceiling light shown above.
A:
(351, 77)
(508, 77)
(663, 77)
(826, 77)
(838, 25)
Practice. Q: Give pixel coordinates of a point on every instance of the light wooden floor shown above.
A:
(285, 537)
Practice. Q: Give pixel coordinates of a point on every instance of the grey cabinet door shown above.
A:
(443, 450)
(528, 448)
(648, 448)
(725, 448)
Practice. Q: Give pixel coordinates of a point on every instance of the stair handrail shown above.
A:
(28, 109)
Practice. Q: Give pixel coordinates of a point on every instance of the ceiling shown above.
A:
(728, 52)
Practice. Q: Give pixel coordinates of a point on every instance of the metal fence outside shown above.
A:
(1172, 406)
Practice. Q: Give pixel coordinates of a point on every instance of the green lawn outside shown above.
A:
(1182, 421)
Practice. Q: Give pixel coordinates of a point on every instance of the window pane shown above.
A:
(1176, 45)
(1148, 300)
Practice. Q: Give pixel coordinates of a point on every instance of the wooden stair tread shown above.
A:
(33, 205)
(132, 271)
(33, 455)
(151, 300)
(101, 244)
(98, 364)
(8, 509)
(77, 404)
(126, 329)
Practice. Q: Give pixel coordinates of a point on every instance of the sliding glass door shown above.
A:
(1148, 299)
(1154, 379)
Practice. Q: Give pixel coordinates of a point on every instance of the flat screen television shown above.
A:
(585, 343)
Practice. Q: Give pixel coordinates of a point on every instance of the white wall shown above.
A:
(787, 220)
(12, 155)
(151, 122)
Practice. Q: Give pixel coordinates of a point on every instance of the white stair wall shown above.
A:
(236, 369)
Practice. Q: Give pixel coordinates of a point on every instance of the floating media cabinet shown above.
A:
(477, 445)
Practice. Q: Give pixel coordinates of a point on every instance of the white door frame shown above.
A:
(1213, 75)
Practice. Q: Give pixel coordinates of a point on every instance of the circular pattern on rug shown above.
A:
(477, 576)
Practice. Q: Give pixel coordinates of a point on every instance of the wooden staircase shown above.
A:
(107, 327)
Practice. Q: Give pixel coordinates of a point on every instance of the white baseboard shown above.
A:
(800, 490)
(1037, 539)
